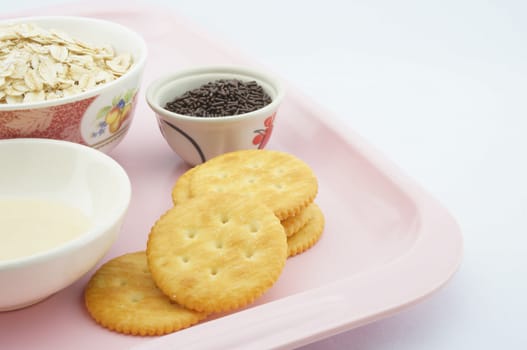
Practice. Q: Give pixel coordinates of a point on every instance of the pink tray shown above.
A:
(387, 244)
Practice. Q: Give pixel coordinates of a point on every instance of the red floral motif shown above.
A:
(57, 122)
(263, 135)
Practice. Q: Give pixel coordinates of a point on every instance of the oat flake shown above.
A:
(37, 64)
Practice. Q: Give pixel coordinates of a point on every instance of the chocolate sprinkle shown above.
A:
(221, 98)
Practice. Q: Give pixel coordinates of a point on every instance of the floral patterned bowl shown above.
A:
(197, 139)
(99, 117)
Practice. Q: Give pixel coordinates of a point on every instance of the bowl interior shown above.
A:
(73, 175)
(179, 84)
(93, 31)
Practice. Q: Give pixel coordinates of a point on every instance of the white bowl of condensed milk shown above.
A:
(62, 205)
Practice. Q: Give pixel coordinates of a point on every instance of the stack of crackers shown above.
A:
(236, 219)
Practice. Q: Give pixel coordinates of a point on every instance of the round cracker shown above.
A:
(181, 189)
(216, 252)
(122, 297)
(294, 223)
(181, 193)
(308, 235)
(280, 180)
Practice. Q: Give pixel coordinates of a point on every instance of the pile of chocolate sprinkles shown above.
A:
(221, 98)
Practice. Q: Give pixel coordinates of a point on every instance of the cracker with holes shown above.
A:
(309, 234)
(122, 297)
(216, 252)
(181, 189)
(279, 180)
(181, 193)
(293, 224)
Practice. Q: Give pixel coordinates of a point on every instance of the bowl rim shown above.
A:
(136, 68)
(94, 232)
(236, 70)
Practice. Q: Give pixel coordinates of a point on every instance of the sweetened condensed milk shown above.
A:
(30, 226)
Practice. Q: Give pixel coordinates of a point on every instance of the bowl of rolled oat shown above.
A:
(69, 78)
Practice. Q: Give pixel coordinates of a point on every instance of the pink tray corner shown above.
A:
(387, 244)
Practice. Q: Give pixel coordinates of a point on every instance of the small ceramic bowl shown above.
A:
(197, 139)
(52, 173)
(99, 117)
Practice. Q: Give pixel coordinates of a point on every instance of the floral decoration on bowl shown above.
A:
(262, 135)
(112, 117)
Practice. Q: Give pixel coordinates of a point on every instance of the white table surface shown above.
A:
(440, 87)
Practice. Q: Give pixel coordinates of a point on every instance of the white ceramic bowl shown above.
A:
(197, 139)
(82, 118)
(76, 176)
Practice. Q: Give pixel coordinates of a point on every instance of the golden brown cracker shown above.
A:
(181, 189)
(308, 235)
(294, 223)
(122, 297)
(216, 252)
(280, 180)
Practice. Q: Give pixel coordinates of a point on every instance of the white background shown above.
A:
(440, 87)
